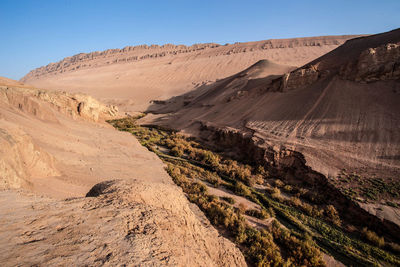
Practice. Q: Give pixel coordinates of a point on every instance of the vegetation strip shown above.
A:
(301, 225)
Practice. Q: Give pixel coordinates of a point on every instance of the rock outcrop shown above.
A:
(127, 223)
(299, 78)
(373, 60)
(52, 152)
(374, 64)
(75, 105)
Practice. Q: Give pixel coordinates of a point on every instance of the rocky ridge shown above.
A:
(145, 52)
(74, 105)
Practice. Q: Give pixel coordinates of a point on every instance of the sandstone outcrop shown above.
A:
(373, 60)
(127, 223)
(75, 105)
(375, 64)
(144, 52)
(52, 152)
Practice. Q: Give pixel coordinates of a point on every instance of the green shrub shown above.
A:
(210, 158)
(301, 252)
(242, 189)
(177, 151)
(260, 214)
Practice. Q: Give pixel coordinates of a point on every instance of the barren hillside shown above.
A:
(341, 111)
(133, 76)
(55, 147)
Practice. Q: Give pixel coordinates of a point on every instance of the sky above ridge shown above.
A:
(35, 33)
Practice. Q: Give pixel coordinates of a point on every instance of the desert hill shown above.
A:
(55, 149)
(340, 111)
(132, 76)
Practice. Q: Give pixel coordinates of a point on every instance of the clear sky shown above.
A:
(37, 32)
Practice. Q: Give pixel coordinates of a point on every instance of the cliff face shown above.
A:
(133, 76)
(375, 64)
(55, 147)
(375, 59)
(22, 158)
(75, 105)
(145, 52)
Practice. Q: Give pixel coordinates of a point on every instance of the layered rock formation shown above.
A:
(375, 64)
(74, 105)
(361, 60)
(145, 52)
(133, 76)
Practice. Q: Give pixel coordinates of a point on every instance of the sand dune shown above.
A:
(131, 77)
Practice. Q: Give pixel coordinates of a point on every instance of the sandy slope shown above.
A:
(133, 76)
(51, 150)
(340, 111)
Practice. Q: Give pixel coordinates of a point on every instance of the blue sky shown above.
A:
(37, 32)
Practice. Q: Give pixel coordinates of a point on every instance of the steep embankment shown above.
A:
(132, 76)
(54, 145)
(340, 111)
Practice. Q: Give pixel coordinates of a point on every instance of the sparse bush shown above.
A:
(210, 158)
(276, 193)
(177, 151)
(287, 188)
(279, 183)
(228, 199)
(258, 179)
(261, 170)
(260, 214)
(333, 215)
(242, 189)
(301, 252)
(373, 237)
(242, 207)
(259, 247)
(295, 201)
